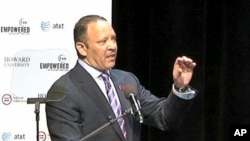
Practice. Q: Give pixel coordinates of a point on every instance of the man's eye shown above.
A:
(102, 41)
(114, 38)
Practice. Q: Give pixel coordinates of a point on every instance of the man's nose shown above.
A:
(112, 44)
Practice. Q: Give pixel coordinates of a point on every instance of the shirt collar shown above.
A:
(91, 70)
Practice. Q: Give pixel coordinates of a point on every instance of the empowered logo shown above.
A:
(21, 29)
(61, 65)
(6, 136)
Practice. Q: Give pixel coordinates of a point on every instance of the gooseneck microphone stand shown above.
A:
(37, 112)
(37, 102)
(126, 112)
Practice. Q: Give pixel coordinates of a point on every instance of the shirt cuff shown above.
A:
(188, 94)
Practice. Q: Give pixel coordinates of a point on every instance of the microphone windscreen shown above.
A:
(128, 89)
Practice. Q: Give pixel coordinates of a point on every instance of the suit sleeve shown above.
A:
(163, 113)
(62, 117)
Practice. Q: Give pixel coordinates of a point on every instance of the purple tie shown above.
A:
(114, 102)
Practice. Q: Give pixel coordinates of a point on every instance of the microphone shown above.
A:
(130, 94)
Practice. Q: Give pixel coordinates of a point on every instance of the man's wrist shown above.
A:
(184, 92)
(181, 89)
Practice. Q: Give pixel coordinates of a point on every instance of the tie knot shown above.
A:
(105, 76)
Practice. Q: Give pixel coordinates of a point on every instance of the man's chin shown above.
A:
(111, 65)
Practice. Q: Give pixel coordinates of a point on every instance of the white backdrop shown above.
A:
(37, 47)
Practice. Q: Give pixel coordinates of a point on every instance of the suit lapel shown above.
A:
(124, 102)
(88, 85)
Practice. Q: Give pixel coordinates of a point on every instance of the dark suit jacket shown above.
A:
(84, 108)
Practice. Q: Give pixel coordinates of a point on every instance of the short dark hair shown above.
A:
(80, 29)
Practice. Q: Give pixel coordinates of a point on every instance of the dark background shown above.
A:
(151, 34)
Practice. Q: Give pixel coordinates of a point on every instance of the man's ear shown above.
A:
(81, 47)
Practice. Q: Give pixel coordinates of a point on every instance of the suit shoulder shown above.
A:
(124, 75)
(121, 72)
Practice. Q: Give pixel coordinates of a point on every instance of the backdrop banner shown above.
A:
(37, 47)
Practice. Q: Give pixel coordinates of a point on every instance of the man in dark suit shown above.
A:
(87, 106)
